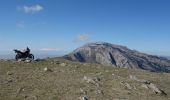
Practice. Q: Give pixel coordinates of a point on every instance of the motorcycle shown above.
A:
(23, 55)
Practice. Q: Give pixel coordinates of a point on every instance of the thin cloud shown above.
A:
(82, 38)
(31, 9)
(49, 49)
(20, 24)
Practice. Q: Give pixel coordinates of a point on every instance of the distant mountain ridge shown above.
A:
(119, 56)
(168, 57)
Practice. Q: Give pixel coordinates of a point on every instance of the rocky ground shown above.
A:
(65, 80)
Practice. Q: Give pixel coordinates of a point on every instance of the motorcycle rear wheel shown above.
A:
(17, 57)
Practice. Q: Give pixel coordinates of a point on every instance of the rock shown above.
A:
(97, 79)
(27, 60)
(113, 74)
(84, 98)
(133, 77)
(144, 86)
(90, 80)
(9, 73)
(134, 87)
(63, 64)
(99, 92)
(139, 80)
(99, 74)
(83, 91)
(19, 60)
(33, 97)
(155, 89)
(126, 85)
(55, 61)
(47, 69)
(148, 85)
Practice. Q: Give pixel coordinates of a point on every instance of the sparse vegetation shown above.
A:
(65, 80)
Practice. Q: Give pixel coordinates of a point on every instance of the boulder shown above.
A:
(155, 89)
(47, 69)
(63, 64)
(84, 98)
(148, 85)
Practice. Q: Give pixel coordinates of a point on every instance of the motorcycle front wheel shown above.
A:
(31, 56)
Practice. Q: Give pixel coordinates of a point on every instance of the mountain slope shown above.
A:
(120, 56)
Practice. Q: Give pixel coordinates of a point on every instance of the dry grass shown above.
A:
(29, 81)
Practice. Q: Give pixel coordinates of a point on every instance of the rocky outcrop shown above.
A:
(119, 56)
(148, 85)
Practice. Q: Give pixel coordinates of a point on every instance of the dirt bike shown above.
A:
(23, 55)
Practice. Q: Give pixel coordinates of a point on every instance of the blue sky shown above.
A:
(56, 27)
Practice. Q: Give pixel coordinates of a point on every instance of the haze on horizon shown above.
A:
(56, 27)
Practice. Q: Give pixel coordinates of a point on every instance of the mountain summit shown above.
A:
(119, 56)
